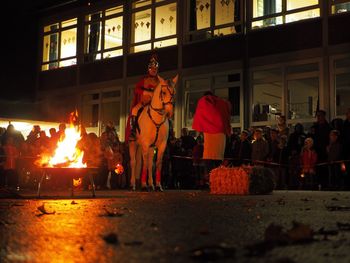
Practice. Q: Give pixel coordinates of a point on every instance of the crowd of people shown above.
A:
(19, 156)
(300, 159)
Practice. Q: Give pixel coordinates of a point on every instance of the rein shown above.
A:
(160, 111)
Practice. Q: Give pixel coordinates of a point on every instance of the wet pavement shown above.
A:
(176, 226)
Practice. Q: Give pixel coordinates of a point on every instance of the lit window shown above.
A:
(267, 101)
(104, 34)
(275, 12)
(204, 23)
(302, 98)
(144, 35)
(267, 95)
(342, 86)
(339, 7)
(60, 45)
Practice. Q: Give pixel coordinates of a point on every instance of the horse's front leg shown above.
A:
(132, 154)
(145, 157)
(159, 162)
(150, 167)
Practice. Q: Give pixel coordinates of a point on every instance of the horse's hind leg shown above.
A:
(161, 149)
(132, 153)
(145, 157)
(150, 167)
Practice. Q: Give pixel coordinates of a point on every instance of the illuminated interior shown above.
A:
(260, 8)
(165, 26)
(60, 44)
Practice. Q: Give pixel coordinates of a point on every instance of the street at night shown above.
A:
(175, 131)
(176, 226)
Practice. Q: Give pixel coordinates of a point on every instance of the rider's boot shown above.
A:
(133, 128)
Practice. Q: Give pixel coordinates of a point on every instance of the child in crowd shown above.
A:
(308, 161)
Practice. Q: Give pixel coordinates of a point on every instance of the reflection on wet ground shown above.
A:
(168, 227)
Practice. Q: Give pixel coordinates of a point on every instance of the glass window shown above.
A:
(110, 112)
(303, 15)
(312, 67)
(104, 34)
(339, 7)
(163, 14)
(114, 32)
(89, 115)
(267, 74)
(233, 96)
(342, 90)
(267, 101)
(302, 98)
(295, 4)
(191, 104)
(59, 44)
(275, 12)
(166, 20)
(204, 23)
(141, 24)
(68, 43)
(263, 7)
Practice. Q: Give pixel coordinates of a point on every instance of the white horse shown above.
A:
(152, 135)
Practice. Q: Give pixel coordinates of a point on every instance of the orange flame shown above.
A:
(67, 154)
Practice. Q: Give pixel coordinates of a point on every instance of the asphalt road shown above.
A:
(176, 226)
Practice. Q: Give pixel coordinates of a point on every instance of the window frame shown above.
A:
(285, 77)
(213, 87)
(99, 101)
(334, 71)
(102, 20)
(58, 31)
(284, 13)
(189, 33)
(153, 6)
(335, 2)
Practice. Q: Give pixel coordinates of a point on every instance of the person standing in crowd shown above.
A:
(260, 147)
(282, 126)
(198, 164)
(11, 156)
(334, 150)
(308, 160)
(243, 149)
(187, 141)
(321, 141)
(346, 147)
(143, 94)
(281, 157)
(17, 136)
(273, 144)
(212, 117)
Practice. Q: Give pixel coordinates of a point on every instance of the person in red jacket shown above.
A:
(143, 94)
(11, 155)
(212, 118)
(308, 160)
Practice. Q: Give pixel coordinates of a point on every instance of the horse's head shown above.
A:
(167, 93)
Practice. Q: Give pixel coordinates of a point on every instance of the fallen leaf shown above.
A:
(211, 253)
(111, 238)
(300, 233)
(114, 213)
(338, 208)
(44, 211)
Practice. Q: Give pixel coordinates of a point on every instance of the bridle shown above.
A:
(161, 98)
(160, 111)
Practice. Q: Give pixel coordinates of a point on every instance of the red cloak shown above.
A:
(212, 115)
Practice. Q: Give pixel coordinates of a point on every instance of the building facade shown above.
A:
(268, 57)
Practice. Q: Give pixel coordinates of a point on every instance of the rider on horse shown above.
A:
(143, 94)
